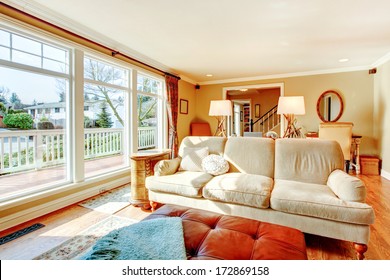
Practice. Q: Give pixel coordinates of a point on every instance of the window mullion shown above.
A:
(32, 69)
(134, 113)
(78, 114)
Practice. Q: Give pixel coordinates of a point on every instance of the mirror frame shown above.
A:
(341, 105)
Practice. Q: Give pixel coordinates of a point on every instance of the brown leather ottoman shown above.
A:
(209, 235)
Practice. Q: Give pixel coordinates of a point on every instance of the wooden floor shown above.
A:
(65, 223)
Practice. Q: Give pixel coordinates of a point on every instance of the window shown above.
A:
(105, 89)
(42, 158)
(149, 108)
(24, 50)
(33, 147)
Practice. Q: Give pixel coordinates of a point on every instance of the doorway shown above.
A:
(259, 99)
(241, 117)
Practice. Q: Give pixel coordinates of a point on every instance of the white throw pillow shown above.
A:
(215, 165)
(192, 158)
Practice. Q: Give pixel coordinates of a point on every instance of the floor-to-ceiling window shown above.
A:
(106, 87)
(149, 112)
(41, 121)
(34, 80)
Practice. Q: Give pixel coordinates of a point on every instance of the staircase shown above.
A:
(268, 121)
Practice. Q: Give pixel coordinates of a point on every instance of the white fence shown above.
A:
(34, 149)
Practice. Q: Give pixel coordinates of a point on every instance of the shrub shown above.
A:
(45, 125)
(20, 120)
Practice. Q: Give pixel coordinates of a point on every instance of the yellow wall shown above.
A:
(187, 92)
(356, 89)
(382, 114)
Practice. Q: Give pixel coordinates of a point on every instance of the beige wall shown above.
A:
(382, 114)
(186, 91)
(356, 89)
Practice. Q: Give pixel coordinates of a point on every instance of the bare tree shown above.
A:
(94, 93)
(100, 72)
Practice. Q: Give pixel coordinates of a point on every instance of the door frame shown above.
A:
(259, 86)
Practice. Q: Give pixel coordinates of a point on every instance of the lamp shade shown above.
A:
(291, 105)
(220, 108)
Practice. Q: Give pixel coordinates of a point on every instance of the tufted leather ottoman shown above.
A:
(210, 235)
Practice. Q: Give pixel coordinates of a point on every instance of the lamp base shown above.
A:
(291, 130)
(221, 131)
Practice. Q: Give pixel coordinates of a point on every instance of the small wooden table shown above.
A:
(142, 165)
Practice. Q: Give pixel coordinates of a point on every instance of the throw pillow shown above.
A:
(192, 158)
(215, 165)
(166, 167)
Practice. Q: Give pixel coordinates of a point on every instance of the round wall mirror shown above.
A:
(330, 106)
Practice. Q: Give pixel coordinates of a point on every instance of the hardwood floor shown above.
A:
(65, 223)
(378, 196)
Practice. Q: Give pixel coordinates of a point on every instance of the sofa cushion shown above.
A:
(186, 183)
(239, 188)
(319, 201)
(307, 160)
(192, 158)
(216, 145)
(215, 165)
(251, 155)
(167, 166)
(347, 187)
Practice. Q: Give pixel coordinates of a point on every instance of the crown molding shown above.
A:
(287, 75)
(381, 60)
(187, 79)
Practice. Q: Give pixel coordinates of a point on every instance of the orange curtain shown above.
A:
(172, 84)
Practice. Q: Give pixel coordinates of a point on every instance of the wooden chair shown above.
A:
(340, 132)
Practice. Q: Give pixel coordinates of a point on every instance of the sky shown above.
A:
(28, 86)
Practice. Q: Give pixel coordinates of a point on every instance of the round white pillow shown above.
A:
(215, 165)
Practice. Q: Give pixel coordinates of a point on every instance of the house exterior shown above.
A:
(55, 113)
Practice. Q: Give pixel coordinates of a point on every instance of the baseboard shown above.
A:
(46, 208)
(385, 174)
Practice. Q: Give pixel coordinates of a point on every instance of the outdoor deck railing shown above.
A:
(34, 149)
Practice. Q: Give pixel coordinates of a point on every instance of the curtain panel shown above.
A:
(172, 84)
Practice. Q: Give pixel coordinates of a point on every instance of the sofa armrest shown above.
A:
(347, 187)
(166, 166)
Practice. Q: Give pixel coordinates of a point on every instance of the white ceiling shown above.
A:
(231, 39)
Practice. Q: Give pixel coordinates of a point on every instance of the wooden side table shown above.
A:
(142, 165)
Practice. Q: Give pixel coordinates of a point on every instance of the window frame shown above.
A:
(74, 179)
(44, 39)
(161, 107)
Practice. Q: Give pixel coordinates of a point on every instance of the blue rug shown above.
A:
(157, 239)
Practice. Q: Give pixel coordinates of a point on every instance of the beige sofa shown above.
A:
(297, 183)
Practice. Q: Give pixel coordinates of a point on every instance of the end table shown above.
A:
(142, 165)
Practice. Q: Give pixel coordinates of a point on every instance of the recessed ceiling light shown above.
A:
(209, 75)
(243, 89)
(343, 60)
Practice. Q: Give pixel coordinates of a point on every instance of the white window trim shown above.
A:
(76, 82)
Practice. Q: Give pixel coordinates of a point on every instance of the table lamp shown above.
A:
(289, 106)
(220, 109)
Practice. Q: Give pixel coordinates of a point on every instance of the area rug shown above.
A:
(109, 202)
(156, 239)
(80, 244)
